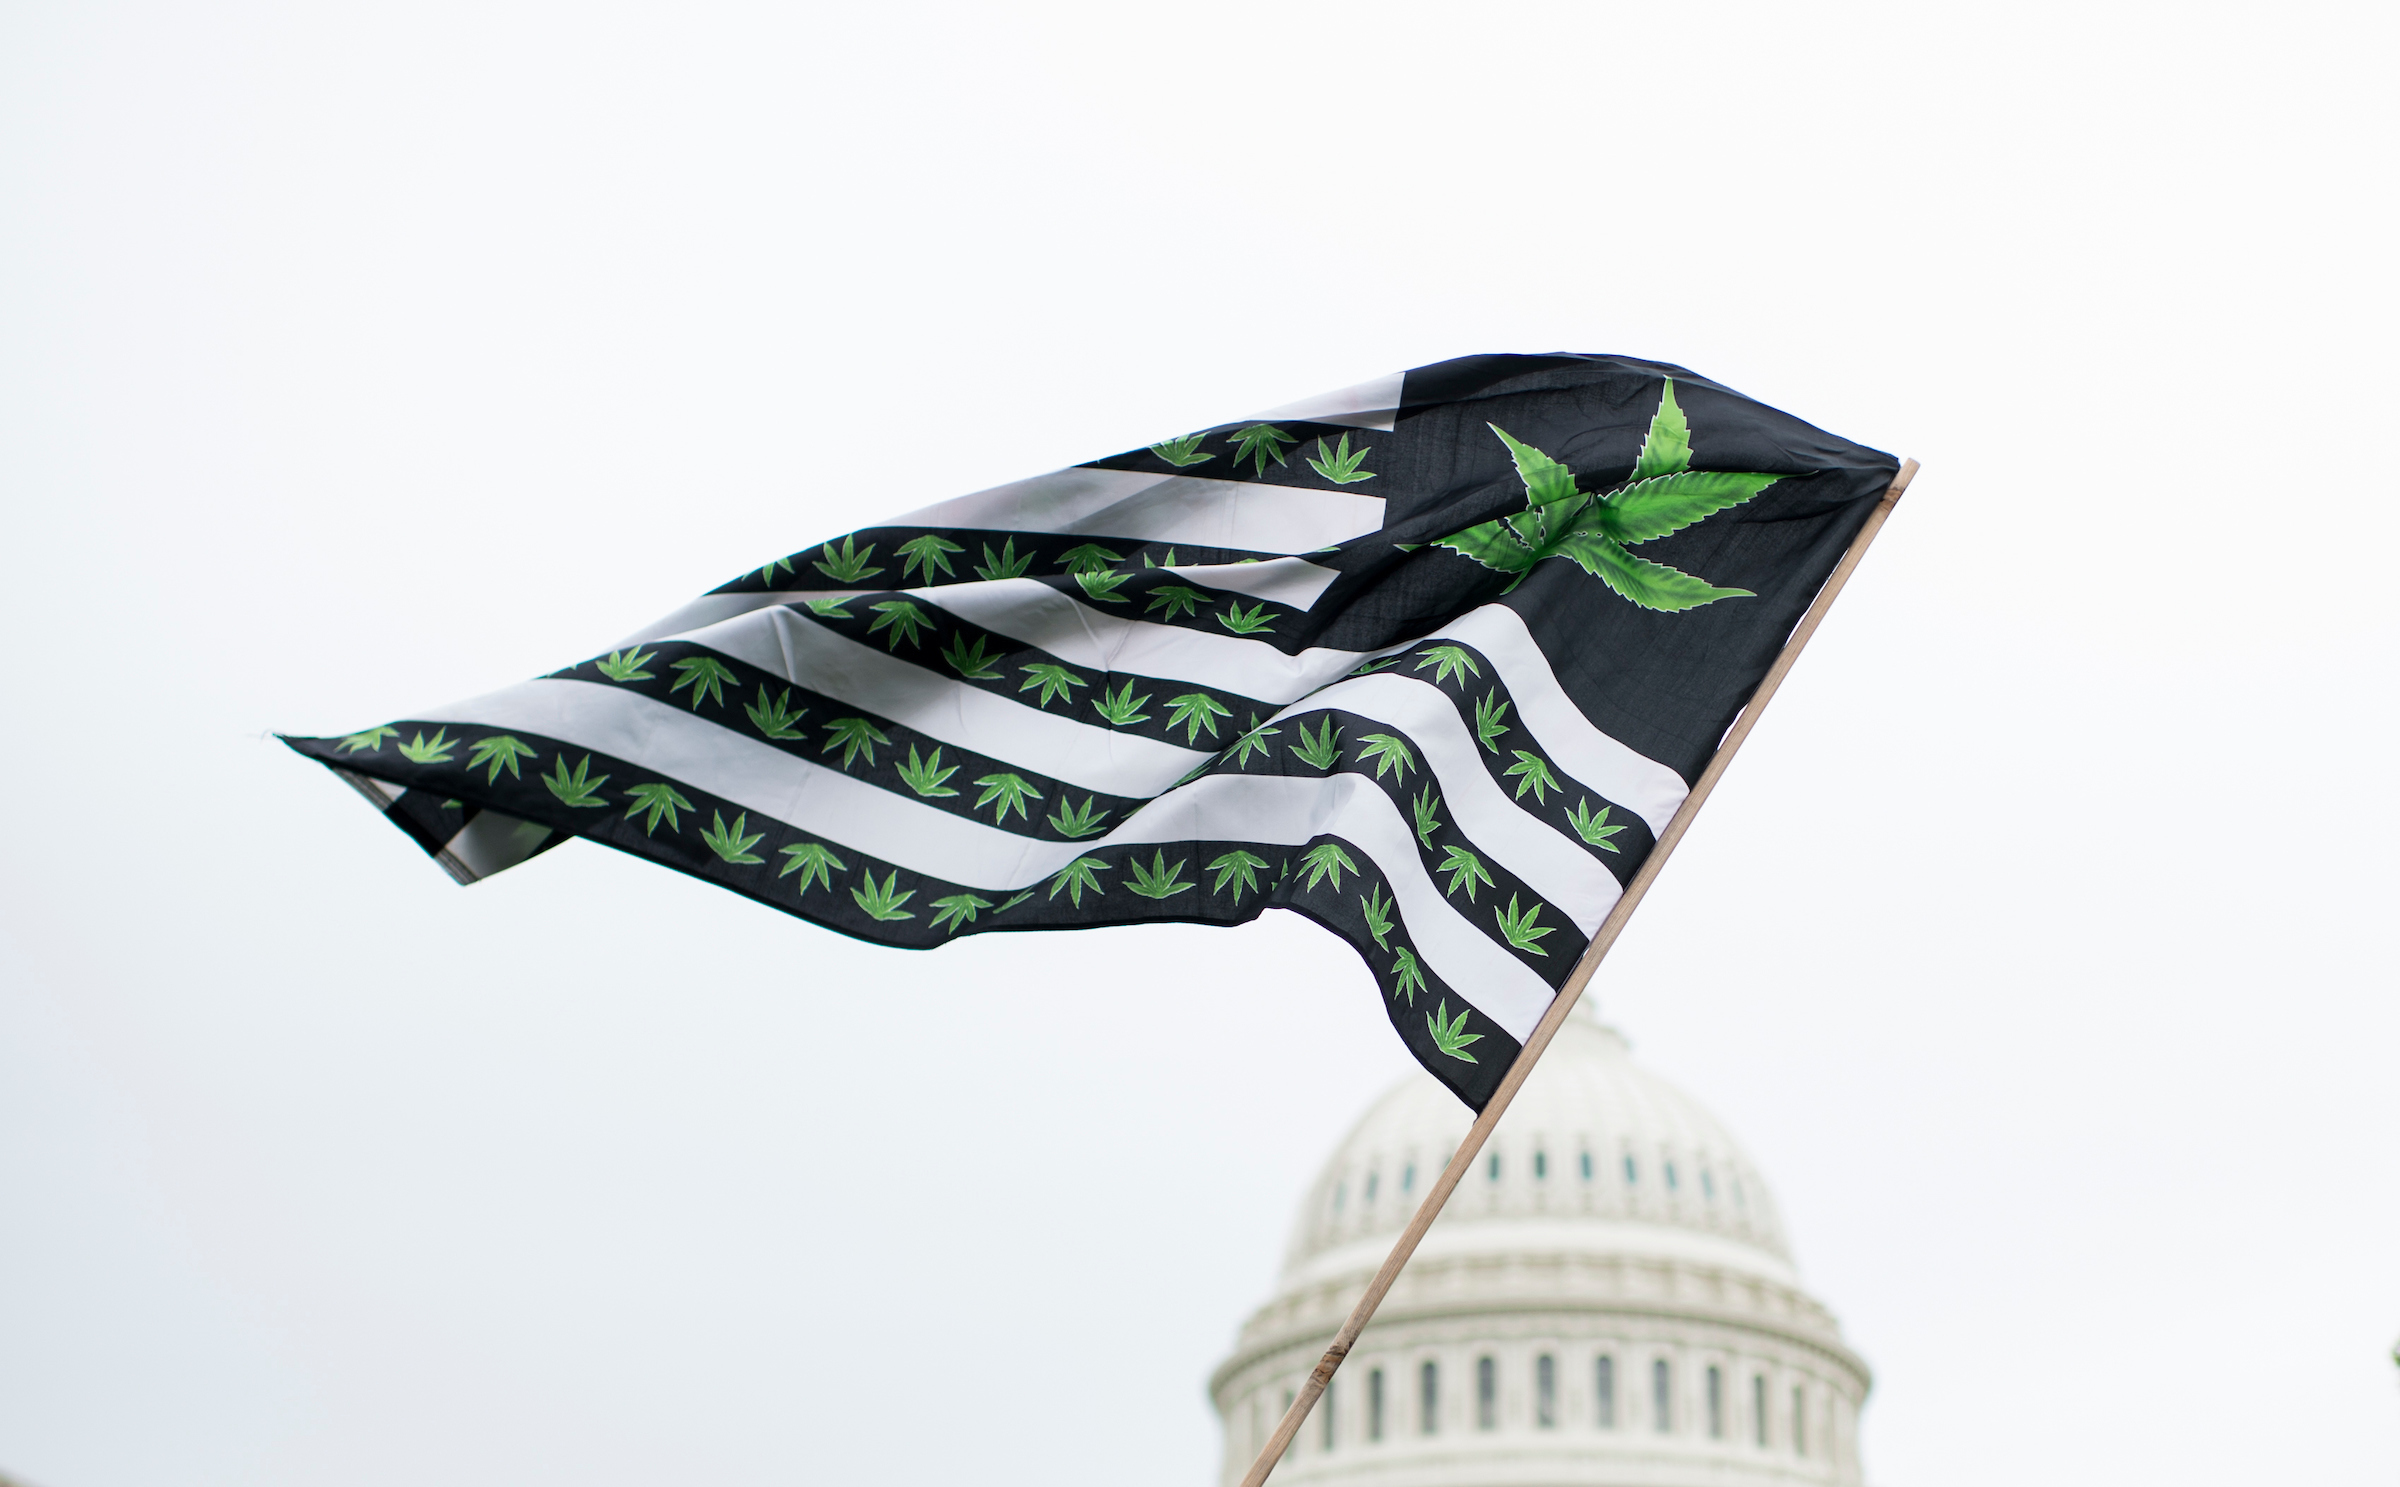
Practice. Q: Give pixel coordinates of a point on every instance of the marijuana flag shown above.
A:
(1430, 661)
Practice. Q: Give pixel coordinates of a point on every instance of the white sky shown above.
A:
(354, 358)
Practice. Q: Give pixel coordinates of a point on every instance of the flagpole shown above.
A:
(1564, 1003)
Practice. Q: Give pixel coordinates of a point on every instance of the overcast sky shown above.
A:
(358, 358)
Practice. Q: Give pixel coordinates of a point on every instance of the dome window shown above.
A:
(1541, 1165)
(1799, 1421)
(1662, 1396)
(1375, 1403)
(1325, 1408)
(1487, 1393)
(1429, 1397)
(1545, 1392)
(1716, 1403)
(1669, 1165)
(1633, 1174)
(1372, 1179)
(1341, 1190)
(1605, 1373)
(1491, 1169)
(1758, 1407)
(1408, 1177)
(1708, 1185)
(1587, 1166)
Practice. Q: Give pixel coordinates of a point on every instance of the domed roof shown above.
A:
(1593, 1137)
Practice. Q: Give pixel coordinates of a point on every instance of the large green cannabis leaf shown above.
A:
(811, 860)
(1072, 821)
(1122, 710)
(498, 752)
(1005, 564)
(1407, 975)
(775, 718)
(1451, 1037)
(577, 790)
(905, 620)
(659, 799)
(929, 553)
(1158, 880)
(1326, 859)
(733, 843)
(1593, 827)
(1448, 661)
(1238, 868)
(1076, 876)
(1339, 465)
(973, 663)
(1183, 451)
(1389, 753)
(881, 901)
(1379, 916)
(371, 740)
(958, 909)
(1520, 930)
(1665, 494)
(850, 565)
(1011, 790)
(1053, 680)
(926, 776)
(1257, 442)
(1175, 599)
(706, 676)
(1194, 711)
(422, 750)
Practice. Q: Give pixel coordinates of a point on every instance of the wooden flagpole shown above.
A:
(1564, 1003)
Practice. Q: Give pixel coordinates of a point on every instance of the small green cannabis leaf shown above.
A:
(975, 665)
(905, 620)
(1449, 661)
(1176, 599)
(1091, 557)
(1071, 820)
(1011, 790)
(1013, 900)
(1181, 452)
(1252, 742)
(1340, 466)
(371, 740)
(1257, 442)
(1238, 868)
(853, 736)
(1100, 585)
(1465, 870)
(1664, 495)
(1253, 623)
(1326, 859)
(830, 609)
(1428, 823)
(926, 778)
(1407, 975)
(958, 909)
(1593, 826)
(1194, 711)
(659, 799)
(423, 750)
(814, 862)
(1519, 929)
(928, 552)
(1536, 776)
(766, 574)
(1374, 664)
(1158, 880)
(1076, 876)
(1005, 565)
(1321, 752)
(776, 718)
(1389, 753)
(733, 845)
(1491, 721)
(1122, 710)
(1379, 916)
(500, 751)
(1054, 681)
(577, 790)
(1451, 1037)
(1168, 561)
(626, 665)
(706, 676)
(881, 901)
(849, 565)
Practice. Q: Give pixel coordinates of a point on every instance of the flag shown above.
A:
(1430, 661)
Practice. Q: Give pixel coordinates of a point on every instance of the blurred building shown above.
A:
(1609, 1298)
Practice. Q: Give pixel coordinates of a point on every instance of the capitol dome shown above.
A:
(1608, 1298)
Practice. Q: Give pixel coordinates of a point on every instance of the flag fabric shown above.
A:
(1431, 661)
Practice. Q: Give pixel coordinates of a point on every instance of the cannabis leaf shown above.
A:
(849, 565)
(576, 790)
(1407, 975)
(1179, 452)
(659, 799)
(1389, 753)
(1122, 710)
(1014, 899)
(830, 609)
(1451, 1037)
(928, 552)
(626, 665)
(1176, 599)
(1006, 565)
(732, 845)
(1326, 859)
(766, 575)
(1238, 868)
(1071, 820)
(1428, 823)
(1449, 661)
(1252, 742)
(1257, 442)
(1100, 585)
(1194, 711)
(1076, 877)
(1519, 929)
(1379, 916)
(1321, 752)
(853, 736)
(1341, 466)
(1536, 776)
(1157, 880)
(777, 718)
(1593, 827)
(905, 620)
(1490, 714)
(1166, 562)
(499, 752)
(813, 861)
(706, 676)
(1054, 680)
(1374, 664)
(973, 664)
(958, 909)
(423, 750)
(371, 740)
(1465, 870)
(881, 902)
(1253, 623)
(926, 778)
(1091, 557)
(1011, 790)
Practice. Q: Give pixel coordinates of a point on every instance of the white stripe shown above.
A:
(1369, 405)
(764, 781)
(1161, 508)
